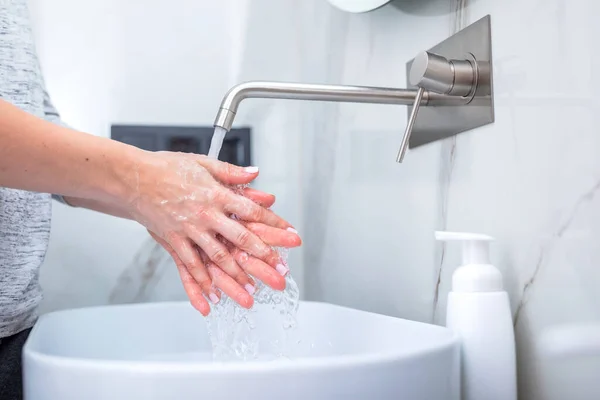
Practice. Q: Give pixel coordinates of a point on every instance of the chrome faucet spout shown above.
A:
(317, 92)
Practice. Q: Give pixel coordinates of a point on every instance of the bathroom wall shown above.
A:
(531, 179)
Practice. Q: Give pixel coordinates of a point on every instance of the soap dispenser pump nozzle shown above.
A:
(475, 246)
(476, 273)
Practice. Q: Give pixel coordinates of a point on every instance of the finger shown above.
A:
(191, 287)
(261, 198)
(228, 173)
(249, 211)
(220, 255)
(229, 286)
(241, 237)
(260, 270)
(188, 254)
(276, 237)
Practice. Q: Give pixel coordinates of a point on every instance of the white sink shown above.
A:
(162, 351)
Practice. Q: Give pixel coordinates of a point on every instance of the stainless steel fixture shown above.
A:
(453, 90)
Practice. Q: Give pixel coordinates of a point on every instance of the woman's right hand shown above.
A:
(185, 202)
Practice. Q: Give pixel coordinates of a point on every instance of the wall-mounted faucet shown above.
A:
(453, 78)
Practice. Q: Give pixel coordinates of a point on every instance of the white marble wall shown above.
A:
(532, 179)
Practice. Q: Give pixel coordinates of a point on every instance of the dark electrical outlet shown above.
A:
(235, 150)
(184, 144)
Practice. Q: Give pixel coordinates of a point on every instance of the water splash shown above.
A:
(232, 328)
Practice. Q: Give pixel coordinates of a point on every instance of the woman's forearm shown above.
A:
(96, 205)
(39, 156)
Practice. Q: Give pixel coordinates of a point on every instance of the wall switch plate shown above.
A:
(187, 139)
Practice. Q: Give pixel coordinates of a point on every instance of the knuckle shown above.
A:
(220, 195)
(243, 238)
(220, 256)
(204, 214)
(205, 283)
(256, 213)
(172, 238)
(194, 266)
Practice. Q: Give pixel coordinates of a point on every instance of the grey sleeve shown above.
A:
(53, 116)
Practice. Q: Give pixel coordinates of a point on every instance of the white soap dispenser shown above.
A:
(479, 312)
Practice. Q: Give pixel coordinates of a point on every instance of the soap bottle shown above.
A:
(479, 313)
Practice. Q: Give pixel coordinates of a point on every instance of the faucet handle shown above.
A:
(409, 124)
(440, 75)
(432, 72)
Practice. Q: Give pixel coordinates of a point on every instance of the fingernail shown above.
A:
(282, 269)
(249, 288)
(251, 170)
(214, 298)
(292, 230)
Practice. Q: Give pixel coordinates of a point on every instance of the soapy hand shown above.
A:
(186, 203)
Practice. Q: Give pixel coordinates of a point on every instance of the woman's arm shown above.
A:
(95, 205)
(40, 156)
(183, 199)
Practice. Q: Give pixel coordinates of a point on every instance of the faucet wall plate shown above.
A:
(440, 122)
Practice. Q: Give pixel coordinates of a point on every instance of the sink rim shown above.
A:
(297, 364)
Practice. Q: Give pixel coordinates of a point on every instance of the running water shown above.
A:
(232, 328)
(217, 142)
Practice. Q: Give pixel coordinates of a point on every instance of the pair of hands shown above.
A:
(187, 202)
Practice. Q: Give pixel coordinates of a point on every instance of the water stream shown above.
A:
(216, 142)
(232, 328)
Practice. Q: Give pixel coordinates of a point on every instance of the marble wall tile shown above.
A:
(532, 179)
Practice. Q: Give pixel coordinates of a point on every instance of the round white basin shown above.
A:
(162, 351)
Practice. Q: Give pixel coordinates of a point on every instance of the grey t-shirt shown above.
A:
(24, 216)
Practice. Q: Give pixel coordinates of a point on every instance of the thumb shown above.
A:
(228, 173)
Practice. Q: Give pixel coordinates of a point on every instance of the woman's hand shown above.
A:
(193, 274)
(183, 201)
